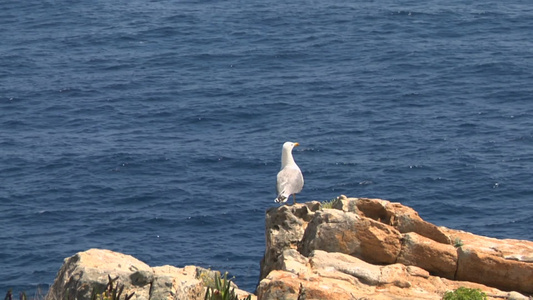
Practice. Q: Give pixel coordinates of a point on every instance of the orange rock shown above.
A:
(403, 218)
(385, 250)
(438, 259)
(285, 285)
(493, 270)
(338, 231)
(333, 276)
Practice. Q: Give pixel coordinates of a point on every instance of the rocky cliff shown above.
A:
(357, 248)
(374, 249)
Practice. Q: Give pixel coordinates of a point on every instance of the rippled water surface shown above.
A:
(154, 128)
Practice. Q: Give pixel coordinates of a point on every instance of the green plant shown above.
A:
(329, 203)
(222, 290)
(458, 242)
(463, 293)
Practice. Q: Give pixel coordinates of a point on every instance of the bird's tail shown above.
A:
(281, 198)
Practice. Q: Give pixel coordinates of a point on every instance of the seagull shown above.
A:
(290, 178)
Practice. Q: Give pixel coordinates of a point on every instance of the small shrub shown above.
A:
(458, 242)
(463, 293)
(222, 290)
(329, 204)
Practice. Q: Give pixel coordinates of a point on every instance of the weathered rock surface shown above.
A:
(341, 276)
(375, 249)
(89, 270)
(434, 257)
(285, 226)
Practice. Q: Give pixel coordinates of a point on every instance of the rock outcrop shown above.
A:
(88, 271)
(357, 248)
(375, 249)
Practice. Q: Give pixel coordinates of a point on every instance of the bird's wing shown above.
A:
(290, 181)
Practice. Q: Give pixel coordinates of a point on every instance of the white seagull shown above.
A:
(290, 178)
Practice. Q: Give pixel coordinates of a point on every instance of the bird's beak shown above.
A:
(296, 144)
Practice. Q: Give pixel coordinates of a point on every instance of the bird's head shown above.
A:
(290, 145)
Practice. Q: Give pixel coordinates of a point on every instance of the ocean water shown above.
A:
(154, 128)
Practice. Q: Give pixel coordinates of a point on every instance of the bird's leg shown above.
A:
(294, 198)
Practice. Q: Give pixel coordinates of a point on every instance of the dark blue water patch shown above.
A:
(500, 228)
(445, 210)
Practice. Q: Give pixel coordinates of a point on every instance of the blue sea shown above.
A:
(154, 128)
